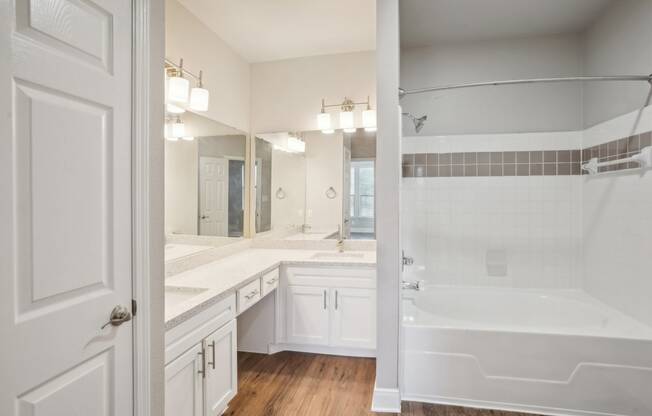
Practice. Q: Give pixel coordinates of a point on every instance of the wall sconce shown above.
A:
(347, 116)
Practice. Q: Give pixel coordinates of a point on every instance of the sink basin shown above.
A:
(175, 295)
(336, 255)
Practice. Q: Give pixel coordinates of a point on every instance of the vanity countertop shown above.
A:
(207, 284)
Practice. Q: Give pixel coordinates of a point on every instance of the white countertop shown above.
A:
(215, 280)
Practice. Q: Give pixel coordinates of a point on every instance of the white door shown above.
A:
(354, 318)
(221, 369)
(307, 315)
(213, 196)
(184, 384)
(65, 207)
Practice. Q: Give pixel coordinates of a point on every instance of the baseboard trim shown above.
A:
(386, 400)
(319, 349)
(505, 407)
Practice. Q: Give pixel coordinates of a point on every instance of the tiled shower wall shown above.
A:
(485, 225)
(506, 210)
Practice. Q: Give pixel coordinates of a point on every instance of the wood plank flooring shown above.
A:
(290, 383)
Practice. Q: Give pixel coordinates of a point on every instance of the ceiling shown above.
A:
(427, 22)
(270, 30)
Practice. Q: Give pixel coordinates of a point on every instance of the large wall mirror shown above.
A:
(312, 185)
(205, 178)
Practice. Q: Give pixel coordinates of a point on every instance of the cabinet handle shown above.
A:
(212, 345)
(336, 299)
(203, 363)
(251, 295)
(325, 299)
(272, 281)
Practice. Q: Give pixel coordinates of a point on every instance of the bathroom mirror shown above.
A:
(205, 181)
(312, 185)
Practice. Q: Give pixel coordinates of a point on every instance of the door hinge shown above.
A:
(134, 307)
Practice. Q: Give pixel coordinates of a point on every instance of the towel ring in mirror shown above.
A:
(331, 193)
(280, 193)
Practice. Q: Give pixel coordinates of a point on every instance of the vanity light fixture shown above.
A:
(179, 95)
(347, 116)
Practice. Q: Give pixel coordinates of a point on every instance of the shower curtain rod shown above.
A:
(647, 78)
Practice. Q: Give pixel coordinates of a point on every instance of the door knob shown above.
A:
(119, 315)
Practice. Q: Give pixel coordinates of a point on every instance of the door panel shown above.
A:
(307, 315)
(221, 378)
(183, 384)
(65, 213)
(354, 318)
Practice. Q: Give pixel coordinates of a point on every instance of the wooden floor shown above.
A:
(290, 383)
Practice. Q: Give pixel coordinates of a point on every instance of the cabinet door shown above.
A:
(307, 315)
(183, 384)
(353, 318)
(221, 382)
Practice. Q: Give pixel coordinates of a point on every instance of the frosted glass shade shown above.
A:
(199, 99)
(177, 129)
(324, 123)
(369, 120)
(346, 121)
(178, 89)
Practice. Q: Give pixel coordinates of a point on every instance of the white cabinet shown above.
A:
(203, 380)
(307, 315)
(328, 310)
(220, 385)
(353, 318)
(183, 384)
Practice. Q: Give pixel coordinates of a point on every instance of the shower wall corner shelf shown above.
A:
(644, 159)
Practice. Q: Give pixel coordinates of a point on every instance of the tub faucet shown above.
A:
(416, 285)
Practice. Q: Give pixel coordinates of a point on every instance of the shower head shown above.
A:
(418, 122)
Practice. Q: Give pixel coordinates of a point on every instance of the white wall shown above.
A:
(507, 109)
(288, 173)
(619, 42)
(286, 95)
(324, 161)
(226, 74)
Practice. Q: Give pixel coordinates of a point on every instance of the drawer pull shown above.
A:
(271, 282)
(251, 295)
(325, 306)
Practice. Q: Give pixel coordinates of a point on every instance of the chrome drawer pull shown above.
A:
(251, 295)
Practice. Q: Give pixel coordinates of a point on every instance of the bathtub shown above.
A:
(540, 351)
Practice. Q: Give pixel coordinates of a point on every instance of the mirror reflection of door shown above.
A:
(362, 196)
(213, 196)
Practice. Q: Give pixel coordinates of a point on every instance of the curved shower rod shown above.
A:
(647, 78)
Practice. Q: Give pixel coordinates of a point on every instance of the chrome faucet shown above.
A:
(416, 285)
(340, 239)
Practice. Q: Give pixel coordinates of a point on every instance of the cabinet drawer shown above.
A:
(270, 281)
(332, 277)
(248, 295)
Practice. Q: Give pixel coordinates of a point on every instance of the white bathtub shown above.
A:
(542, 351)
